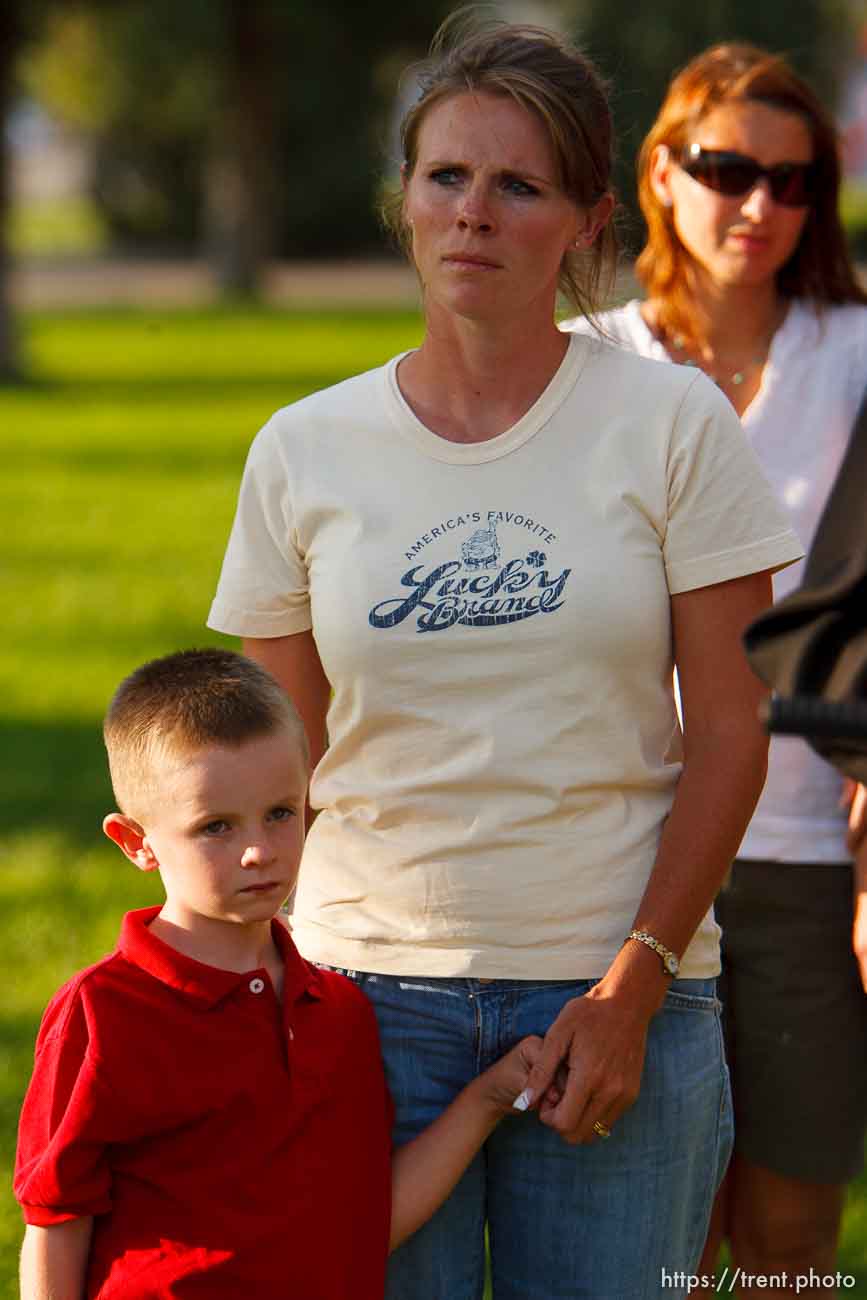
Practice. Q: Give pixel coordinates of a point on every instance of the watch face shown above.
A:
(672, 965)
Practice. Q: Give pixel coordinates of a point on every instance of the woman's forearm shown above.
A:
(601, 1036)
(717, 792)
(725, 754)
(294, 662)
(716, 796)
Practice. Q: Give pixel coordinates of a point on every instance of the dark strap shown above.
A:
(811, 647)
(840, 543)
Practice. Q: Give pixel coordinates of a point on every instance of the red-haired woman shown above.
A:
(748, 277)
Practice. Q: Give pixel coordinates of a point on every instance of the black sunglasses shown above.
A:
(734, 174)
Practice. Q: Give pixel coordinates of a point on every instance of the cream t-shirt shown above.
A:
(799, 425)
(494, 620)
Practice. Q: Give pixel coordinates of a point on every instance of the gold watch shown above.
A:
(670, 960)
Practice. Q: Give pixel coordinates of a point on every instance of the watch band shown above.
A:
(670, 960)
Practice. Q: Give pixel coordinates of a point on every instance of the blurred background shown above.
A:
(188, 240)
(238, 136)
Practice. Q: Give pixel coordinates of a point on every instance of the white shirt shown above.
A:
(799, 424)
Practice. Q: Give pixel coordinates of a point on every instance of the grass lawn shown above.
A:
(120, 467)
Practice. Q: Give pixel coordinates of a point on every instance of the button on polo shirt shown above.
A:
(227, 1144)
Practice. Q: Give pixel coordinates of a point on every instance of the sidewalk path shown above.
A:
(115, 283)
(188, 283)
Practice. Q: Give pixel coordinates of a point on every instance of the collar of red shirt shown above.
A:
(207, 985)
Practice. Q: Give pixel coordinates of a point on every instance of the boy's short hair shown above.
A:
(183, 702)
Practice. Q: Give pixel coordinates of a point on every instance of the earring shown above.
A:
(667, 202)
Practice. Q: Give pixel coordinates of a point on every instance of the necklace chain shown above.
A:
(734, 377)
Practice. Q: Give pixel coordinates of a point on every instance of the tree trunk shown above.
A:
(10, 37)
(239, 183)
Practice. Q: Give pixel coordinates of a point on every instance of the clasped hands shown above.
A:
(586, 1072)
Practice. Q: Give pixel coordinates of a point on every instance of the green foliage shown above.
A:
(853, 209)
(70, 72)
(157, 82)
(55, 227)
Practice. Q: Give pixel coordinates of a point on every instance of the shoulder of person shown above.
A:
(72, 1005)
(643, 381)
(621, 326)
(830, 326)
(81, 1025)
(338, 406)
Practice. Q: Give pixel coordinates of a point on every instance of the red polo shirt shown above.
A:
(228, 1145)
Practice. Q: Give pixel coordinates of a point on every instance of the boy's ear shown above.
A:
(130, 838)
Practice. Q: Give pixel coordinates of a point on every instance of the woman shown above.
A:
(491, 550)
(748, 278)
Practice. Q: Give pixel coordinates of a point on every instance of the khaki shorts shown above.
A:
(795, 1018)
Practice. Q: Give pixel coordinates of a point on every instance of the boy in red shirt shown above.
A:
(208, 1115)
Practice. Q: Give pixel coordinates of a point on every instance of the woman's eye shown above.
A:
(445, 176)
(515, 185)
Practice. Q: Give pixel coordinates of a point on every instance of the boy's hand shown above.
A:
(504, 1083)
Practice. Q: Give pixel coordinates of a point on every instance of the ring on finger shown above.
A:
(601, 1130)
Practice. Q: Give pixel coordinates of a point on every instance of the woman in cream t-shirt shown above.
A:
(492, 550)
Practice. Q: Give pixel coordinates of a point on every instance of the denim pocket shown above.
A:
(693, 995)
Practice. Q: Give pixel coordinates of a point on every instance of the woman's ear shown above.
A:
(661, 163)
(130, 838)
(592, 220)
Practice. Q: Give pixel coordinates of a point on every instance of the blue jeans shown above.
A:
(600, 1221)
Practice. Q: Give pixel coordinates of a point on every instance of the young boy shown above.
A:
(208, 1115)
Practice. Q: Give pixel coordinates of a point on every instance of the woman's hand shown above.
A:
(603, 1052)
(593, 1053)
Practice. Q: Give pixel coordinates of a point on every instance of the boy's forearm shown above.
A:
(54, 1260)
(425, 1170)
